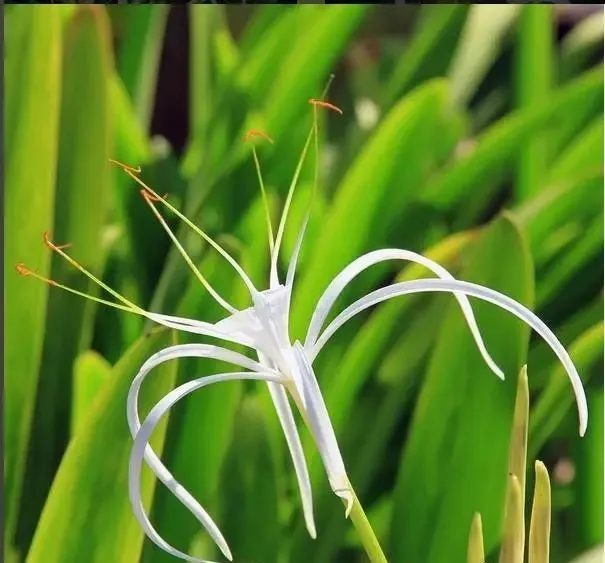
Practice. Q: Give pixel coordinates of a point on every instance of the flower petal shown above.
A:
(286, 419)
(473, 290)
(139, 452)
(338, 284)
(321, 426)
(132, 411)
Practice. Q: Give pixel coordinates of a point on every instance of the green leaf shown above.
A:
(556, 400)
(138, 59)
(513, 540)
(87, 515)
(454, 460)
(33, 85)
(534, 69)
(517, 459)
(92, 372)
(588, 483)
(539, 531)
(430, 50)
(82, 198)
(475, 541)
(580, 44)
(249, 488)
(480, 44)
(496, 147)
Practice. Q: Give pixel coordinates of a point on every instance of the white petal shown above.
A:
(338, 284)
(321, 426)
(198, 327)
(286, 418)
(139, 452)
(132, 411)
(474, 290)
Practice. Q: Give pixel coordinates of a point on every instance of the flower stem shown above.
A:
(366, 534)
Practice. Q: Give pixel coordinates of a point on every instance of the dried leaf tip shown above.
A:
(252, 133)
(326, 105)
(126, 167)
(52, 245)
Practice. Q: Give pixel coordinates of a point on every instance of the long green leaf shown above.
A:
(588, 512)
(533, 85)
(482, 37)
(454, 460)
(138, 58)
(83, 190)
(497, 147)
(91, 373)
(430, 50)
(87, 515)
(556, 401)
(33, 86)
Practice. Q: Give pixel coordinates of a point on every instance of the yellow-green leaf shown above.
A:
(32, 77)
(539, 531)
(87, 516)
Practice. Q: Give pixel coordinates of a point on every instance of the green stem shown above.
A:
(366, 534)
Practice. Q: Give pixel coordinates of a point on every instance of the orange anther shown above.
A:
(150, 197)
(52, 245)
(326, 105)
(23, 270)
(257, 133)
(126, 167)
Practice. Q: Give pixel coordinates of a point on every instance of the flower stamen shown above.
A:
(247, 138)
(325, 105)
(256, 133)
(151, 198)
(133, 173)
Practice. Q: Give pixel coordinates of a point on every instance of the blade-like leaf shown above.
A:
(481, 41)
(513, 536)
(497, 146)
(588, 510)
(475, 541)
(83, 189)
(534, 68)
(539, 531)
(33, 85)
(92, 373)
(454, 460)
(138, 59)
(430, 50)
(87, 516)
(556, 401)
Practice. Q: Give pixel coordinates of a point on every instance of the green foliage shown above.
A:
(485, 154)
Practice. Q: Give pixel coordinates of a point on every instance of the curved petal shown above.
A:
(198, 327)
(338, 284)
(286, 419)
(322, 429)
(473, 290)
(132, 411)
(139, 452)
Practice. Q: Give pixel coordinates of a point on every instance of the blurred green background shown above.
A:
(472, 134)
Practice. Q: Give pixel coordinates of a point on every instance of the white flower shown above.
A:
(286, 366)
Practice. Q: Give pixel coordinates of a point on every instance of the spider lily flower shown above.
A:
(285, 366)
